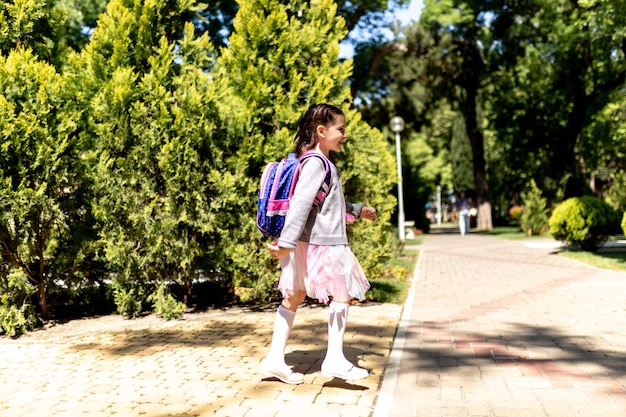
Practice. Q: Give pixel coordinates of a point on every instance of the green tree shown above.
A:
(281, 58)
(434, 66)
(534, 218)
(602, 149)
(555, 65)
(152, 135)
(81, 18)
(37, 25)
(528, 77)
(217, 19)
(42, 196)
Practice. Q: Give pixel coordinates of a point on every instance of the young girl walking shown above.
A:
(313, 249)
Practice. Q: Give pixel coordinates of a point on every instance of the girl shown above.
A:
(313, 249)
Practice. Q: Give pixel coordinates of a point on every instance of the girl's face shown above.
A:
(332, 136)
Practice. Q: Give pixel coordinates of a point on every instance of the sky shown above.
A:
(413, 12)
(404, 15)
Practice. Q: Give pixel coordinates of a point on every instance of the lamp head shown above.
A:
(396, 124)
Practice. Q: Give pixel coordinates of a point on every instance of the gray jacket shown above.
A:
(324, 225)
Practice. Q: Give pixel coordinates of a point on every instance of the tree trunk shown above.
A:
(476, 138)
(43, 305)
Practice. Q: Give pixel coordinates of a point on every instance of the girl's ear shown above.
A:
(320, 130)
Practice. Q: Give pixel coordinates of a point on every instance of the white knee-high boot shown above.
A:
(335, 363)
(274, 364)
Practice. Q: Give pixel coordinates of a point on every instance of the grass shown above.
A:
(394, 287)
(513, 233)
(388, 291)
(614, 258)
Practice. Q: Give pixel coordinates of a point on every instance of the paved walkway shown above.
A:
(491, 328)
(507, 328)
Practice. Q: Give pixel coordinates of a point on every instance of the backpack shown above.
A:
(277, 184)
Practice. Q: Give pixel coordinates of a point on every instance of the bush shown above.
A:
(165, 305)
(586, 222)
(128, 298)
(616, 194)
(17, 315)
(534, 219)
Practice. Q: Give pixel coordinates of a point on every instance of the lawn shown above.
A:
(394, 287)
(613, 258)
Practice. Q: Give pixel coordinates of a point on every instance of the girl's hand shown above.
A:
(368, 213)
(277, 252)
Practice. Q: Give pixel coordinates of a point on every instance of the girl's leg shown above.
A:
(335, 363)
(291, 285)
(274, 364)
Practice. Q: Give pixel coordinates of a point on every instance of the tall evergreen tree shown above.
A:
(282, 57)
(152, 135)
(43, 211)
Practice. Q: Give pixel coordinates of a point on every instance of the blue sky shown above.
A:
(404, 15)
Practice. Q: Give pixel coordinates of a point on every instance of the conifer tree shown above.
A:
(281, 58)
(42, 206)
(152, 131)
(534, 220)
(35, 25)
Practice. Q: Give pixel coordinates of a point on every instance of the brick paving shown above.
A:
(491, 328)
(498, 328)
(203, 365)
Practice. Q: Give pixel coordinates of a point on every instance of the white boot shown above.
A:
(335, 363)
(274, 364)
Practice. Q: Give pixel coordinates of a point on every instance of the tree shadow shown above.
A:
(512, 348)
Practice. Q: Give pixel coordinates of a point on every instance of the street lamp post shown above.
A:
(397, 126)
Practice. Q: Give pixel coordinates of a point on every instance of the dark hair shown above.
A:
(317, 114)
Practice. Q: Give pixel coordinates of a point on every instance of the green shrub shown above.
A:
(534, 219)
(586, 222)
(17, 315)
(616, 194)
(165, 305)
(128, 299)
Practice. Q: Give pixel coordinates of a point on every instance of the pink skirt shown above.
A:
(323, 271)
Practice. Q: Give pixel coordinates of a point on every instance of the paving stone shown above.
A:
(492, 328)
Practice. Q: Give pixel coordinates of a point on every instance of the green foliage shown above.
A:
(560, 65)
(616, 194)
(134, 155)
(44, 222)
(165, 305)
(461, 157)
(35, 25)
(388, 291)
(584, 221)
(393, 286)
(281, 58)
(155, 144)
(548, 78)
(128, 298)
(534, 219)
(17, 315)
(614, 260)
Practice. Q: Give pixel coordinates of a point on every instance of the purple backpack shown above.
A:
(277, 184)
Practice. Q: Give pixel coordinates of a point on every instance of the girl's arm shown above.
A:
(359, 211)
(368, 213)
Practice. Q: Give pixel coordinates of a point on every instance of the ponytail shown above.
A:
(317, 114)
